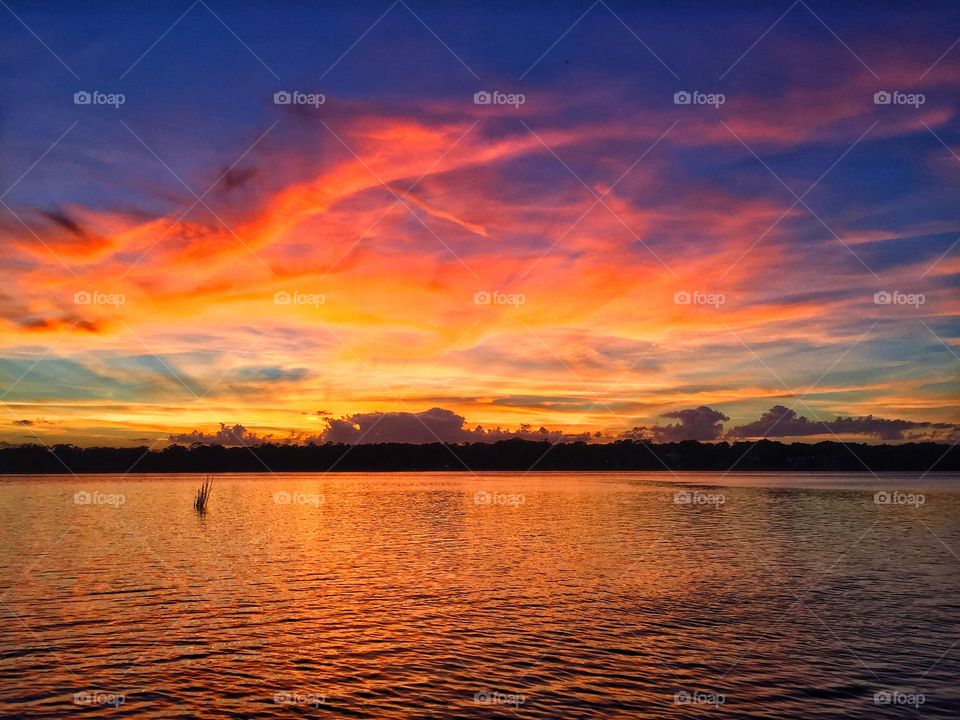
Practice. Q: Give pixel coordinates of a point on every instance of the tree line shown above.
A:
(514, 454)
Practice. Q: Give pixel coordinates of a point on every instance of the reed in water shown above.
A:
(203, 496)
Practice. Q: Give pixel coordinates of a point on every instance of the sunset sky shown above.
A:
(399, 262)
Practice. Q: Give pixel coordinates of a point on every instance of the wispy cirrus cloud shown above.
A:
(598, 200)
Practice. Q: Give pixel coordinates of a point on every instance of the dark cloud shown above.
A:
(67, 322)
(235, 436)
(60, 218)
(233, 178)
(780, 421)
(434, 425)
(37, 421)
(700, 423)
(424, 427)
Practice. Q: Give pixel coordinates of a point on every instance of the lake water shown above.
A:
(574, 595)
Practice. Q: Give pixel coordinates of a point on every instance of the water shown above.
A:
(580, 595)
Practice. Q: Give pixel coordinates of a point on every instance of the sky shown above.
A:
(419, 221)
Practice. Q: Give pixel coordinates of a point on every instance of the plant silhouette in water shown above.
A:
(203, 496)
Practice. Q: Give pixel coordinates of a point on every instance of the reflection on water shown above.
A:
(493, 595)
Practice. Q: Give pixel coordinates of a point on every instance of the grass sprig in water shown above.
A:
(203, 496)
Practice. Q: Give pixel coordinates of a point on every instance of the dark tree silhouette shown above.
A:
(513, 454)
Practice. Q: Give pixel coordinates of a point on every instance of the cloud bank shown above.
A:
(702, 423)
(429, 426)
(780, 421)
(234, 436)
